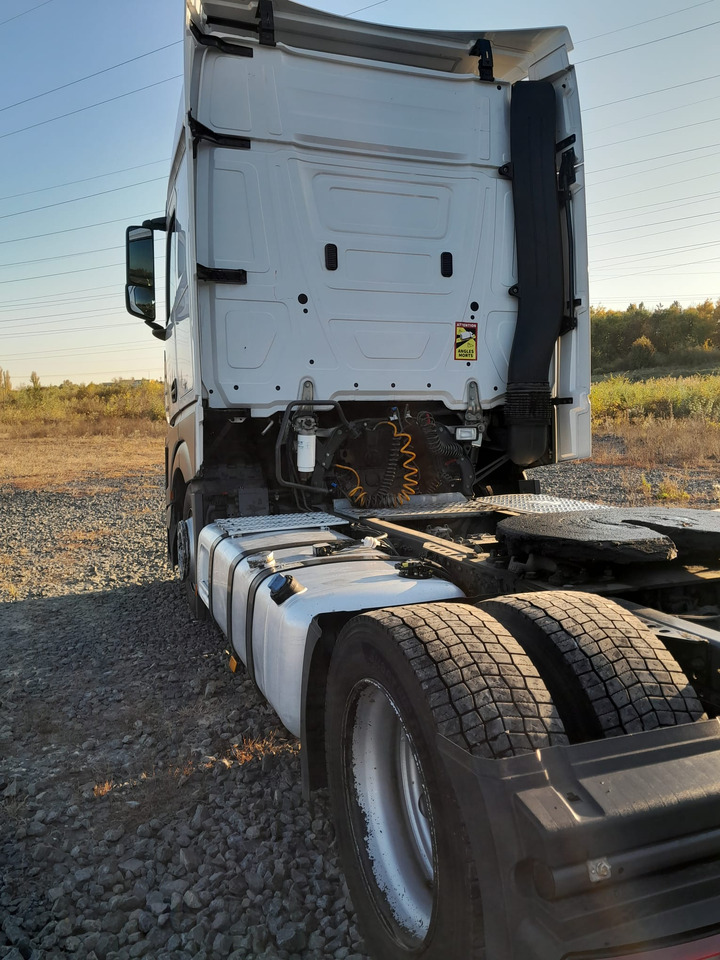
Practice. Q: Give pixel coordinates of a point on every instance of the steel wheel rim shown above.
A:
(392, 821)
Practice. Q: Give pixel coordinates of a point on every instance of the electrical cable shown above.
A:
(649, 43)
(86, 196)
(642, 23)
(71, 183)
(651, 93)
(86, 226)
(90, 106)
(89, 76)
(25, 12)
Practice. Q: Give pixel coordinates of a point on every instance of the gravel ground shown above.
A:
(150, 801)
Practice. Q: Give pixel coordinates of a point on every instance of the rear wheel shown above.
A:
(607, 673)
(397, 678)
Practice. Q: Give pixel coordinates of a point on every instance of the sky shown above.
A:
(88, 102)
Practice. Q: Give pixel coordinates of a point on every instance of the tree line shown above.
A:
(667, 337)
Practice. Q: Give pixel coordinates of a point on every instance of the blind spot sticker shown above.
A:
(466, 341)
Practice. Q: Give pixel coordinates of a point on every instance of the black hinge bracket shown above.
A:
(224, 46)
(220, 275)
(567, 142)
(200, 132)
(266, 27)
(562, 401)
(506, 171)
(567, 175)
(568, 324)
(482, 49)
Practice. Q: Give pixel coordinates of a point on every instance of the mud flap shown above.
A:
(610, 846)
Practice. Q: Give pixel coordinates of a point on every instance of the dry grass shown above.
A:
(81, 465)
(688, 443)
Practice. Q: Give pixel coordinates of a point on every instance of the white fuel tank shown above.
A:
(264, 587)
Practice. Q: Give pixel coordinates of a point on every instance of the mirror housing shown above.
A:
(140, 272)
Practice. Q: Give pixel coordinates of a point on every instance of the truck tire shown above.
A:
(398, 677)
(607, 673)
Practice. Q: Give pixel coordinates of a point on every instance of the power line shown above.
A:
(675, 202)
(664, 156)
(651, 93)
(45, 296)
(63, 256)
(87, 226)
(658, 223)
(89, 76)
(48, 333)
(90, 106)
(86, 196)
(135, 345)
(376, 4)
(642, 23)
(48, 320)
(18, 15)
(647, 116)
(658, 133)
(634, 193)
(667, 251)
(71, 183)
(44, 276)
(648, 43)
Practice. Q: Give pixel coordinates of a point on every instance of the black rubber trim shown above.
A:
(220, 275)
(224, 46)
(446, 264)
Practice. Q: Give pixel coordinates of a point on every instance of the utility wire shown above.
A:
(648, 43)
(90, 106)
(663, 156)
(44, 276)
(47, 333)
(675, 202)
(89, 76)
(658, 223)
(105, 348)
(651, 93)
(658, 133)
(642, 23)
(85, 196)
(99, 176)
(18, 15)
(63, 256)
(360, 10)
(86, 226)
(647, 116)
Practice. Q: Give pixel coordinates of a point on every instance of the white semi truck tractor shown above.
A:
(376, 321)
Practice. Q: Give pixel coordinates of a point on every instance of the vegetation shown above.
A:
(123, 406)
(662, 398)
(674, 338)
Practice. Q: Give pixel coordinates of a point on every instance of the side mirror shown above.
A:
(140, 273)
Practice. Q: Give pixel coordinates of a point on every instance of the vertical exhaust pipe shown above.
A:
(541, 285)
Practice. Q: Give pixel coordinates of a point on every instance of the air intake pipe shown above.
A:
(541, 283)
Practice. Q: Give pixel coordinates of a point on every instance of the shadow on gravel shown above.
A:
(150, 800)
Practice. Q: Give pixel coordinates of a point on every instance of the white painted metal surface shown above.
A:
(355, 579)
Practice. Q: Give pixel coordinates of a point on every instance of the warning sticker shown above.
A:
(466, 341)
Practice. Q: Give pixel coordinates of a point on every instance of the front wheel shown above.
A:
(397, 678)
